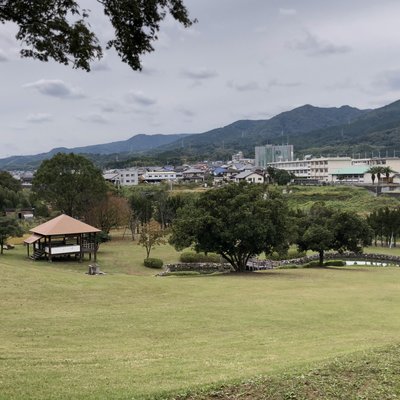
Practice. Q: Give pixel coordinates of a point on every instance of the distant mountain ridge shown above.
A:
(246, 134)
(312, 130)
(135, 145)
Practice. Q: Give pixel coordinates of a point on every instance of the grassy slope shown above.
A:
(346, 198)
(372, 375)
(65, 335)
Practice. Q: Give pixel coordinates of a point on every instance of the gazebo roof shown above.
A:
(63, 225)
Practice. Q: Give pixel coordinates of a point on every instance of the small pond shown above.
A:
(363, 262)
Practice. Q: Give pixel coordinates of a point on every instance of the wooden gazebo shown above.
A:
(62, 236)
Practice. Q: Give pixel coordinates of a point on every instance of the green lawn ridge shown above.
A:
(131, 335)
(345, 198)
(372, 375)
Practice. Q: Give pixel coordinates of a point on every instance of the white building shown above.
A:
(122, 177)
(159, 176)
(249, 176)
(265, 155)
(336, 169)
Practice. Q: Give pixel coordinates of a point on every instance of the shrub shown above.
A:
(330, 263)
(184, 273)
(102, 237)
(335, 263)
(153, 263)
(292, 253)
(193, 257)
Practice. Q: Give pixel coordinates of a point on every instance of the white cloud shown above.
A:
(3, 57)
(287, 11)
(277, 83)
(100, 66)
(94, 118)
(314, 46)
(186, 112)
(39, 118)
(200, 74)
(140, 98)
(244, 87)
(55, 88)
(388, 80)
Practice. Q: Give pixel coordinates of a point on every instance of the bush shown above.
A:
(153, 263)
(289, 266)
(291, 254)
(335, 263)
(330, 263)
(193, 257)
(102, 237)
(183, 273)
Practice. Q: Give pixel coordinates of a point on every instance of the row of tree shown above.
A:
(385, 224)
(378, 171)
(239, 222)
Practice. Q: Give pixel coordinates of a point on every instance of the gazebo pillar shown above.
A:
(80, 247)
(50, 256)
(95, 248)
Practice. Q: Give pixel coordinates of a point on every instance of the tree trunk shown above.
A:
(321, 258)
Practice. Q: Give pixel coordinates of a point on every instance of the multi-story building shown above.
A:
(122, 177)
(322, 168)
(159, 176)
(336, 169)
(265, 155)
(299, 168)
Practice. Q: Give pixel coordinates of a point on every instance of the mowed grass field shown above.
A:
(131, 335)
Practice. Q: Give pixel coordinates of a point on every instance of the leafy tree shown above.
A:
(377, 171)
(387, 171)
(142, 205)
(238, 221)
(7, 181)
(110, 212)
(11, 194)
(279, 176)
(167, 206)
(385, 224)
(8, 227)
(323, 229)
(60, 29)
(70, 183)
(151, 236)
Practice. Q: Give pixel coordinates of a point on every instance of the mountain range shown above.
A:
(312, 130)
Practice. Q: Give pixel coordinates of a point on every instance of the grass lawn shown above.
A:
(129, 334)
(346, 198)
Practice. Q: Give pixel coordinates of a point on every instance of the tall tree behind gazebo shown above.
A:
(70, 183)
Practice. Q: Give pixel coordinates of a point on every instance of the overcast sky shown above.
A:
(244, 59)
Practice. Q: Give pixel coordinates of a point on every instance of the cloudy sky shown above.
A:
(244, 59)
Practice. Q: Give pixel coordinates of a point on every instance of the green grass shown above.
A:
(128, 334)
(372, 375)
(345, 198)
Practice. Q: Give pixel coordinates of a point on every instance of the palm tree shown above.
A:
(375, 171)
(387, 171)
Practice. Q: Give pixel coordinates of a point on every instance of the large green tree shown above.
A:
(70, 183)
(61, 30)
(237, 222)
(8, 227)
(7, 181)
(322, 229)
(11, 194)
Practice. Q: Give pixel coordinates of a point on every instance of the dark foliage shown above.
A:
(60, 29)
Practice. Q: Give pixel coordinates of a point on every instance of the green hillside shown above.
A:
(245, 135)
